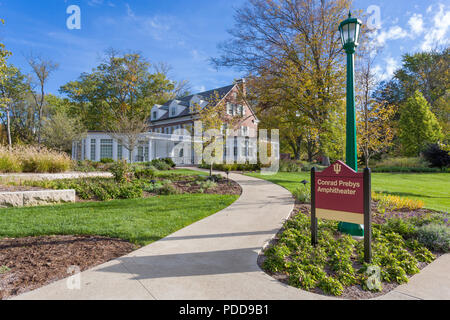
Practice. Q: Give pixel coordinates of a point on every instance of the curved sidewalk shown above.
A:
(214, 258)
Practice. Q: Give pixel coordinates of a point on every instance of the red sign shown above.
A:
(339, 194)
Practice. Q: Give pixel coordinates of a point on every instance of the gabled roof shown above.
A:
(185, 101)
(207, 95)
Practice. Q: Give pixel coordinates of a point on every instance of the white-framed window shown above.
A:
(229, 109)
(173, 111)
(93, 149)
(119, 151)
(155, 115)
(106, 149)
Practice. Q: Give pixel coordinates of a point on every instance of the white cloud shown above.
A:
(94, 3)
(386, 71)
(416, 23)
(394, 33)
(437, 35)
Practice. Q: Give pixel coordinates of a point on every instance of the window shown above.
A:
(119, 150)
(140, 155)
(93, 147)
(229, 109)
(155, 115)
(173, 111)
(106, 149)
(146, 153)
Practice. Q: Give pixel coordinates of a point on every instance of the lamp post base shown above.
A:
(351, 229)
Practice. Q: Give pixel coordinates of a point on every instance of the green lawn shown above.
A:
(432, 188)
(141, 221)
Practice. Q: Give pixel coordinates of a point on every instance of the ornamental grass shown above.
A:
(32, 159)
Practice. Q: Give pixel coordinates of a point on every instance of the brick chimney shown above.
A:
(242, 86)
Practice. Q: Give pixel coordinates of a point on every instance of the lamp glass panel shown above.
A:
(345, 33)
(352, 32)
(357, 33)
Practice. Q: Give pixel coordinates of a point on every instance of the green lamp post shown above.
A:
(349, 30)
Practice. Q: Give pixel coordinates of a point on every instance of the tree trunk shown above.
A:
(8, 127)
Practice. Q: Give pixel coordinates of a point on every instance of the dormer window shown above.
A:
(155, 115)
(173, 111)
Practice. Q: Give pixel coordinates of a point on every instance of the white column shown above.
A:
(240, 145)
(114, 150)
(88, 148)
(150, 149)
(97, 150)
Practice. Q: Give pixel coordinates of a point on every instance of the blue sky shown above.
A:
(185, 33)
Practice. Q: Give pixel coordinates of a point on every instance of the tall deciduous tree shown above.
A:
(118, 95)
(375, 125)
(215, 122)
(60, 128)
(418, 125)
(292, 48)
(13, 91)
(41, 70)
(4, 54)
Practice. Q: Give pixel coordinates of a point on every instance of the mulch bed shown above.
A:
(355, 292)
(36, 261)
(223, 187)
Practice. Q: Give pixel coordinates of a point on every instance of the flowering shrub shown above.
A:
(391, 203)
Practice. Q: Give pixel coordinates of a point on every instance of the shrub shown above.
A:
(435, 236)
(170, 162)
(436, 156)
(147, 173)
(160, 164)
(120, 171)
(400, 226)
(402, 162)
(107, 160)
(289, 166)
(302, 194)
(167, 188)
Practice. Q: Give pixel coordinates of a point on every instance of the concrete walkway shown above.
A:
(215, 258)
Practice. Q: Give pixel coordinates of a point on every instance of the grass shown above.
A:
(140, 221)
(431, 188)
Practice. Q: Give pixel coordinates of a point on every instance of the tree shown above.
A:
(118, 95)
(418, 125)
(4, 54)
(59, 128)
(213, 117)
(13, 91)
(427, 72)
(374, 117)
(293, 53)
(42, 69)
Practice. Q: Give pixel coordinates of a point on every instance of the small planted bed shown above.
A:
(405, 239)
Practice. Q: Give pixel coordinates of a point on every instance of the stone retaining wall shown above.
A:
(35, 198)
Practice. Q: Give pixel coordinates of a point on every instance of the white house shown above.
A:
(170, 128)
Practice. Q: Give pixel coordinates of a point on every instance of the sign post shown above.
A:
(341, 194)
